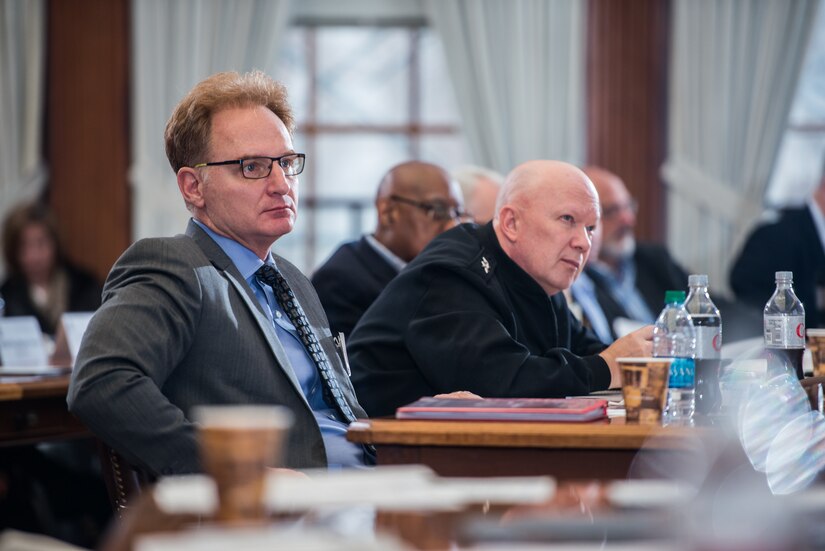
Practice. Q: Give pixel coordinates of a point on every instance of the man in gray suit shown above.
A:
(210, 317)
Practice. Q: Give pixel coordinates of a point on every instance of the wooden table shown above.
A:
(601, 450)
(33, 409)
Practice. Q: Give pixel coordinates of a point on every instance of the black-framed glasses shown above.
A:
(440, 212)
(255, 168)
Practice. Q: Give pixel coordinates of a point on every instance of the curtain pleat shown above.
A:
(517, 67)
(730, 96)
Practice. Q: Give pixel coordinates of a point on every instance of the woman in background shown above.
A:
(41, 282)
(54, 488)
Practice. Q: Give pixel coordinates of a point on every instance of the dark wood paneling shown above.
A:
(627, 53)
(87, 129)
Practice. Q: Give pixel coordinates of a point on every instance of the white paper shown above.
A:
(21, 342)
(400, 488)
(34, 370)
(264, 539)
(70, 334)
(648, 493)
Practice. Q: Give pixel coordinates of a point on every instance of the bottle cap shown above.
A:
(785, 276)
(698, 279)
(674, 296)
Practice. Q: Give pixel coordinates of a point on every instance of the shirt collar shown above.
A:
(385, 253)
(244, 259)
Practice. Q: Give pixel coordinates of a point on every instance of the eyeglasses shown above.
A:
(613, 211)
(255, 168)
(439, 212)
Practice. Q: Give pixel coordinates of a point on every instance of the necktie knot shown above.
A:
(267, 274)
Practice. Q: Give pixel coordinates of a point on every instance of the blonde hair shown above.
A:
(188, 130)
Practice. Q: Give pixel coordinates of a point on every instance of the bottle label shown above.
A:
(784, 331)
(682, 373)
(708, 342)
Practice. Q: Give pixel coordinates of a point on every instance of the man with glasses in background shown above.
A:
(213, 316)
(415, 202)
(630, 278)
(481, 309)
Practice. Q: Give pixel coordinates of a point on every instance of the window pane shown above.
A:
(799, 163)
(448, 151)
(334, 225)
(363, 75)
(292, 71)
(292, 246)
(353, 164)
(809, 103)
(438, 104)
(798, 168)
(362, 79)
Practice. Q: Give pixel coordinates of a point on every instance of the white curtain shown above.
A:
(22, 66)
(517, 68)
(734, 69)
(177, 43)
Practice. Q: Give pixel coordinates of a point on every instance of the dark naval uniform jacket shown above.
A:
(463, 316)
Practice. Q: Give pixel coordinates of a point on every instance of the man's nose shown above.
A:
(629, 217)
(277, 182)
(582, 240)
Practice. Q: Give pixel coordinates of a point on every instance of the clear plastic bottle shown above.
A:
(784, 323)
(707, 322)
(675, 337)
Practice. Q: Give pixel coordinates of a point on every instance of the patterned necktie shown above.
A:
(286, 298)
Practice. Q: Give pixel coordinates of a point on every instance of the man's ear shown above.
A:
(191, 186)
(509, 222)
(387, 214)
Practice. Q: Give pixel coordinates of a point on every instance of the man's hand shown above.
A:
(636, 344)
(461, 394)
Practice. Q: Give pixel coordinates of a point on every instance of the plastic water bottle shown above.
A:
(784, 322)
(674, 337)
(707, 322)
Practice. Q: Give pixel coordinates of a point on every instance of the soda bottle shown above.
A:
(674, 337)
(708, 326)
(784, 322)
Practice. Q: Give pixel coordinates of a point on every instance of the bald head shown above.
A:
(529, 179)
(413, 179)
(412, 200)
(618, 216)
(546, 215)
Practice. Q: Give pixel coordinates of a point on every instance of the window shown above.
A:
(366, 98)
(800, 162)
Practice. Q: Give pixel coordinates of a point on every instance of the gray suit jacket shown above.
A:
(179, 327)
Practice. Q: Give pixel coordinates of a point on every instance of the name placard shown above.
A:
(69, 336)
(21, 343)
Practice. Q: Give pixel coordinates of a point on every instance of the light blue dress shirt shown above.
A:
(584, 293)
(340, 452)
(623, 288)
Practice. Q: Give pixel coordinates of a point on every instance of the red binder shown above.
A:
(506, 409)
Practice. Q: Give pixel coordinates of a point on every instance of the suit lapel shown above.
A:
(223, 263)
